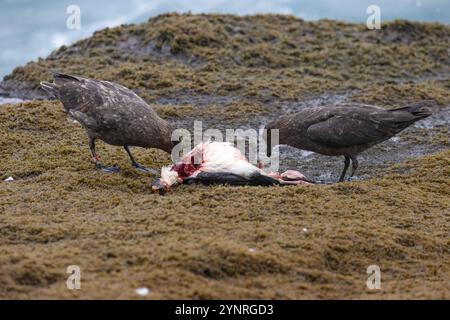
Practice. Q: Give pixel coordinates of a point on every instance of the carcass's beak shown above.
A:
(157, 187)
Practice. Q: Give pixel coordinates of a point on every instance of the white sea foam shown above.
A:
(9, 100)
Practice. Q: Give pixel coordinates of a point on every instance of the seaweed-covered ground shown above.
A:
(219, 241)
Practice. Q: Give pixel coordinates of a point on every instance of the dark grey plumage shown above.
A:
(112, 113)
(344, 129)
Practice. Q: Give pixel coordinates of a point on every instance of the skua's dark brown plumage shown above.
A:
(344, 130)
(112, 113)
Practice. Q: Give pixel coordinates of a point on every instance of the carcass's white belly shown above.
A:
(224, 157)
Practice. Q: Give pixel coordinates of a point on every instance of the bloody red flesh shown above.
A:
(186, 169)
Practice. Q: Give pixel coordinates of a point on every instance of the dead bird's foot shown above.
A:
(144, 169)
(114, 169)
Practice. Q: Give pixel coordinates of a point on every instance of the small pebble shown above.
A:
(72, 120)
(251, 250)
(305, 230)
(142, 291)
(9, 179)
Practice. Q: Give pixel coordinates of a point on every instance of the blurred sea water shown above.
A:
(9, 100)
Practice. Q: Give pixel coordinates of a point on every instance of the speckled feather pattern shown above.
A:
(345, 129)
(110, 112)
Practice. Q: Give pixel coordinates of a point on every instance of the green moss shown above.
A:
(255, 56)
(207, 241)
(220, 241)
(397, 95)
